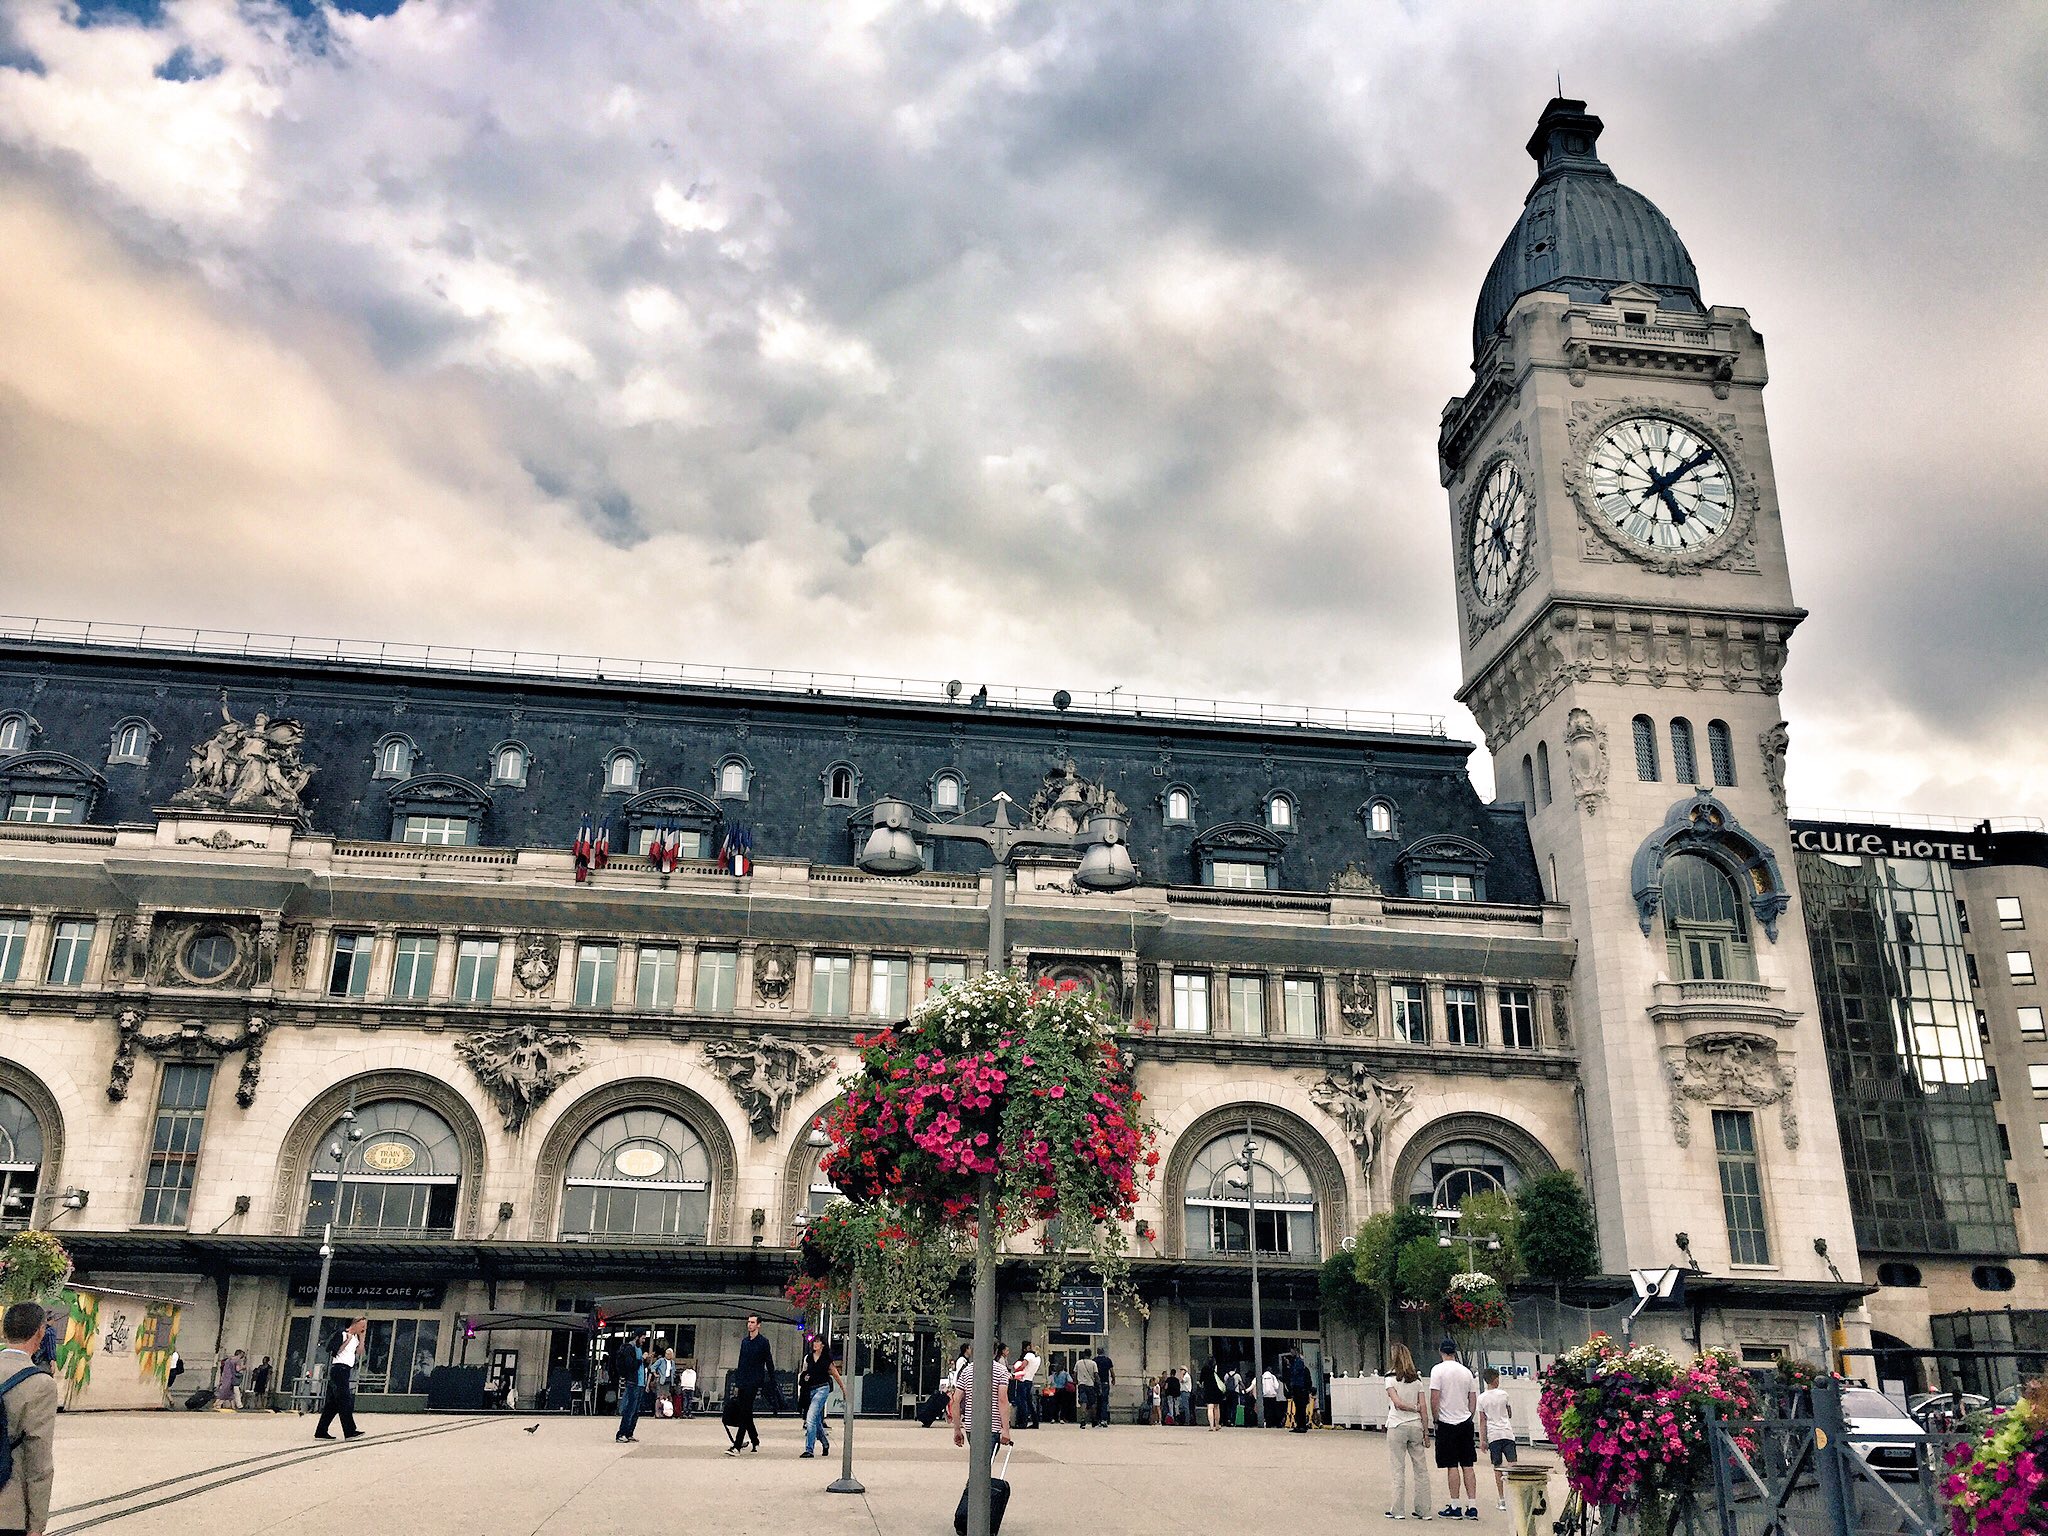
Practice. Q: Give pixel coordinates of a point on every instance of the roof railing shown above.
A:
(483, 661)
(1917, 821)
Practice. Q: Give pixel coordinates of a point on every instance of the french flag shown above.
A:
(736, 854)
(667, 849)
(601, 853)
(582, 849)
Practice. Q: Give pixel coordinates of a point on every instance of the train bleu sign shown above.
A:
(1859, 840)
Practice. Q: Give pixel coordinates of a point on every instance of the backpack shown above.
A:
(7, 1440)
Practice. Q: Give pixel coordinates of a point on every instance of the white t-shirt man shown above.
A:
(1498, 1413)
(1455, 1391)
(1027, 1368)
(1269, 1386)
(351, 1346)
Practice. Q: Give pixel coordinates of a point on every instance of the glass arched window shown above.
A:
(1721, 753)
(1646, 749)
(1459, 1168)
(641, 1175)
(1180, 806)
(1706, 922)
(1280, 813)
(946, 792)
(839, 784)
(1685, 767)
(1543, 770)
(1219, 1214)
(819, 1190)
(732, 777)
(13, 733)
(510, 767)
(1379, 819)
(131, 743)
(402, 1176)
(21, 1161)
(622, 771)
(394, 758)
(1528, 779)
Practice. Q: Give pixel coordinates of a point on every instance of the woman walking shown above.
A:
(1212, 1391)
(1407, 1428)
(820, 1374)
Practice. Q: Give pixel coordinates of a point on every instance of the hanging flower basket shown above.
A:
(1476, 1301)
(33, 1267)
(905, 1267)
(1997, 1483)
(997, 1078)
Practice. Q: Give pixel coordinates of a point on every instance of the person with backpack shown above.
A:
(28, 1423)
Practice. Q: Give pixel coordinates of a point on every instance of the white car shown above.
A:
(1883, 1433)
(1939, 1410)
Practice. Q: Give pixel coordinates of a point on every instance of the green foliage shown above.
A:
(1380, 1240)
(33, 1267)
(1346, 1300)
(1491, 1215)
(1554, 1229)
(1424, 1269)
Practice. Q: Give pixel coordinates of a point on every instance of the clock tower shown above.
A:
(1624, 608)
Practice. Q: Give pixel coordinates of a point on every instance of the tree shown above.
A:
(1378, 1258)
(1491, 1214)
(1347, 1301)
(1424, 1269)
(1554, 1229)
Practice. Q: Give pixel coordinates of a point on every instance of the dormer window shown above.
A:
(13, 733)
(1444, 869)
(733, 777)
(1280, 813)
(622, 771)
(1177, 805)
(395, 755)
(438, 810)
(842, 784)
(1379, 818)
(1635, 317)
(508, 764)
(131, 742)
(1239, 856)
(946, 792)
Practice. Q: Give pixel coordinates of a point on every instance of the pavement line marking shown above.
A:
(239, 1477)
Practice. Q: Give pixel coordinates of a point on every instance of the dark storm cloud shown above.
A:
(1077, 343)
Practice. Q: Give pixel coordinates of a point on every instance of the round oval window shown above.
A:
(640, 1162)
(209, 957)
(388, 1157)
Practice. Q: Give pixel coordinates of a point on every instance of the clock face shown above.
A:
(1659, 486)
(1500, 534)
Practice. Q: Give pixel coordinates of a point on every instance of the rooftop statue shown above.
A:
(253, 767)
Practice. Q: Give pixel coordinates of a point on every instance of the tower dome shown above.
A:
(1581, 232)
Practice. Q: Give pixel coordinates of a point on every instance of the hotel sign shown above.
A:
(1859, 840)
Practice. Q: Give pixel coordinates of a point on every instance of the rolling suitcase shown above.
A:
(929, 1410)
(998, 1501)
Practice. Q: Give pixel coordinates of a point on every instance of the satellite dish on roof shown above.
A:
(953, 689)
(1062, 699)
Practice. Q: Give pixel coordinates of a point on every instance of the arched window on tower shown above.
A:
(1706, 922)
(1528, 781)
(1646, 750)
(1721, 753)
(1685, 767)
(1543, 771)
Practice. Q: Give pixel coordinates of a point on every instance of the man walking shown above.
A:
(259, 1383)
(1084, 1391)
(340, 1401)
(1452, 1394)
(631, 1366)
(1300, 1388)
(960, 1404)
(756, 1369)
(29, 1396)
(1105, 1378)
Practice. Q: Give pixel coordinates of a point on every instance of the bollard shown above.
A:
(1526, 1496)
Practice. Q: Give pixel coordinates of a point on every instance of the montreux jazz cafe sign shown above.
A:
(1862, 840)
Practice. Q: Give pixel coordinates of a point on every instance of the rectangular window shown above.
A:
(2009, 914)
(1970, 968)
(655, 984)
(437, 831)
(832, 985)
(349, 975)
(1461, 1015)
(1191, 1001)
(45, 809)
(2032, 1025)
(476, 970)
(1237, 875)
(412, 967)
(2037, 1079)
(1301, 1002)
(70, 948)
(944, 973)
(1432, 886)
(689, 845)
(13, 943)
(597, 975)
(1742, 1186)
(2019, 966)
(1962, 915)
(889, 987)
(1247, 996)
(1411, 1012)
(1518, 1018)
(174, 1144)
(718, 973)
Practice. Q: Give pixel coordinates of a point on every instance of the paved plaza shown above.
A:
(134, 1473)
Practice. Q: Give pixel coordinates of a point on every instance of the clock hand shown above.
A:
(1677, 512)
(1660, 483)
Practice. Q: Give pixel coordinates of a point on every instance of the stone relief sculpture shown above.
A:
(1585, 753)
(1731, 1069)
(1065, 800)
(518, 1067)
(1776, 742)
(533, 967)
(190, 1041)
(766, 1074)
(1354, 881)
(254, 767)
(774, 975)
(1365, 1104)
(1357, 1004)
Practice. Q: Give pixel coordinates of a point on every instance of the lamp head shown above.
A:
(891, 847)
(1106, 862)
(818, 1137)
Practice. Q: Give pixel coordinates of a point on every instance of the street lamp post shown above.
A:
(1245, 1159)
(845, 1482)
(893, 848)
(346, 1134)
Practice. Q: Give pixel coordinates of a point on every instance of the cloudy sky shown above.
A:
(1083, 344)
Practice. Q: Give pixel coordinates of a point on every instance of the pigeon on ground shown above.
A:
(532, 1429)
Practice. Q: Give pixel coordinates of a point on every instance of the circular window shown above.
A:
(1898, 1274)
(1992, 1277)
(210, 956)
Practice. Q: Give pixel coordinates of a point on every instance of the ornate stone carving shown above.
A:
(533, 967)
(1775, 744)
(254, 767)
(1357, 1004)
(519, 1066)
(1585, 754)
(1560, 1017)
(1148, 992)
(1354, 881)
(223, 841)
(1087, 973)
(1731, 1069)
(1366, 1105)
(191, 1041)
(774, 975)
(302, 945)
(170, 939)
(1065, 800)
(767, 1074)
(117, 945)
